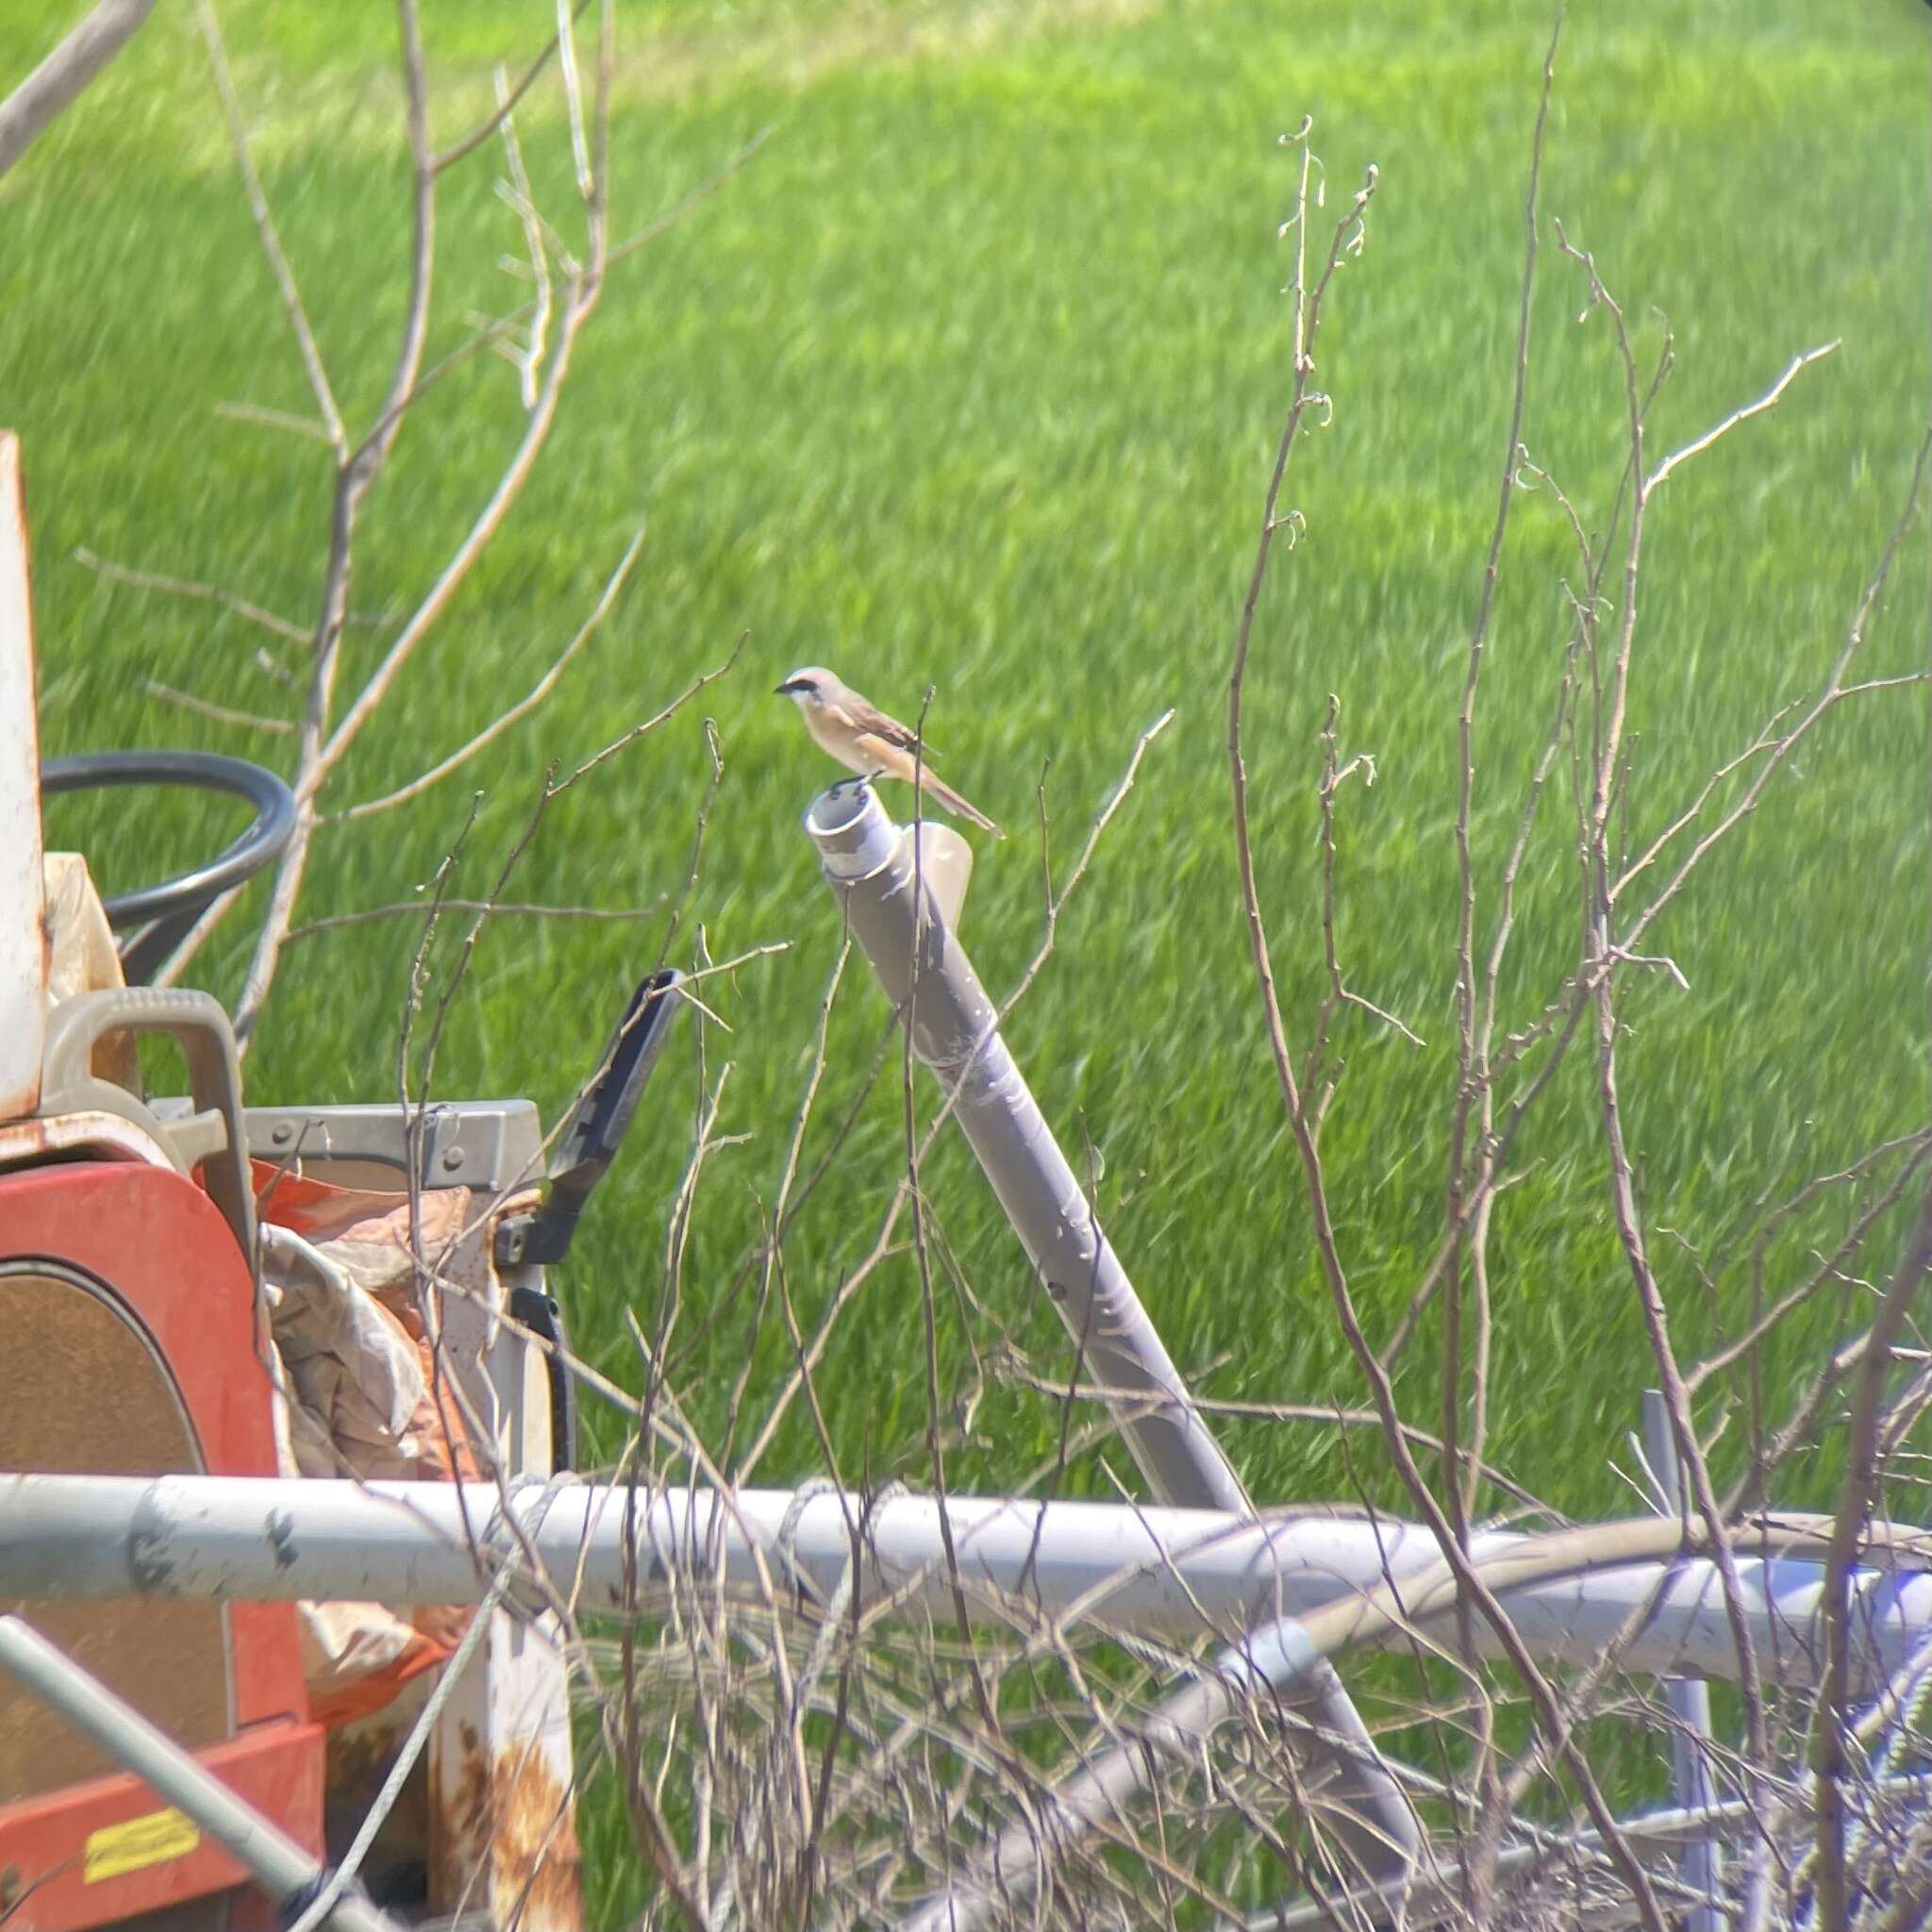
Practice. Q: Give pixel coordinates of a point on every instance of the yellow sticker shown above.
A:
(116, 1849)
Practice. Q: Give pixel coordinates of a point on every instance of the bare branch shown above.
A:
(265, 227)
(60, 80)
(1830, 1759)
(508, 487)
(1744, 414)
(529, 359)
(541, 689)
(284, 420)
(1556, 1735)
(1472, 1095)
(1833, 689)
(186, 587)
(505, 103)
(499, 908)
(222, 714)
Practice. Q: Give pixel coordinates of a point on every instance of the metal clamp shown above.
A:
(212, 1134)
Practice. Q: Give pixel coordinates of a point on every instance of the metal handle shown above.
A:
(197, 1021)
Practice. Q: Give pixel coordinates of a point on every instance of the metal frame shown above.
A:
(500, 1752)
(490, 1146)
(1179, 1575)
(277, 1863)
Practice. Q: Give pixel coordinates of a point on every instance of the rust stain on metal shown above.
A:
(104, 1136)
(513, 1823)
(534, 1842)
(459, 1821)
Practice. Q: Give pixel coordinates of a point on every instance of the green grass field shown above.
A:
(972, 377)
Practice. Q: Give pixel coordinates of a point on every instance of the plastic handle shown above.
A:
(198, 1022)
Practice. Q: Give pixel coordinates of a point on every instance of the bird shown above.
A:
(864, 739)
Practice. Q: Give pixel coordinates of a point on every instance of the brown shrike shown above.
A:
(864, 739)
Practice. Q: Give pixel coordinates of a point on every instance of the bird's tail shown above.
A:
(944, 794)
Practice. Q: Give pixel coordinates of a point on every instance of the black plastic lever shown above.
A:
(539, 1313)
(596, 1127)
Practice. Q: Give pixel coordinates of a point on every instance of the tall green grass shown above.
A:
(972, 378)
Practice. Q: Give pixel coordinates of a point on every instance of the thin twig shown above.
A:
(1697, 445)
(186, 587)
(521, 709)
(285, 421)
(499, 908)
(265, 227)
(222, 714)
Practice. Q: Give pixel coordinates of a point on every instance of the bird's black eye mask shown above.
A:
(796, 684)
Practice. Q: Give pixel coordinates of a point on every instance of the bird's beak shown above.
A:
(779, 691)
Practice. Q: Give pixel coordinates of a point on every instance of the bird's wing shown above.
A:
(864, 717)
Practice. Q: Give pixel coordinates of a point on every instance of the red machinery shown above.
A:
(123, 1274)
(138, 1341)
(134, 1343)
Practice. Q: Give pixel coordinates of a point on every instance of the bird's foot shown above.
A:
(857, 778)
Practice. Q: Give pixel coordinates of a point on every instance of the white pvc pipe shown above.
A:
(956, 1033)
(894, 911)
(281, 1867)
(1150, 1570)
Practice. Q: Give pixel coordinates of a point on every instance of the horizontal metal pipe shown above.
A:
(1152, 1569)
(280, 1866)
(1272, 1659)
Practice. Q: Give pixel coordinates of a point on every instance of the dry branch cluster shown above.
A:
(538, 338)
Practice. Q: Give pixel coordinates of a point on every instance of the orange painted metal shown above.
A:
(160, 1251)
(44, 1843)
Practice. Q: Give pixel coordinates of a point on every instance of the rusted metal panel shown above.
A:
(503, 1834)
(101, 1136)
(22, 901)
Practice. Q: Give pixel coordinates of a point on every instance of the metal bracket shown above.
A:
(494, 1146)
(539, 1313)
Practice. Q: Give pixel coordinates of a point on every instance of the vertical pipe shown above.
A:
(281, 1867)
(955, 1032)
(1689, 1697)
(874, 870)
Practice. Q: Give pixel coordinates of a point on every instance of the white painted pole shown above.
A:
(1144, 1569)
(23, 883)
(1689, 1698)
(281, 1867)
